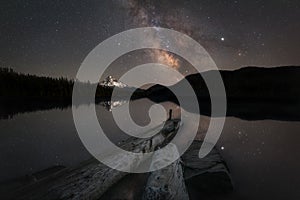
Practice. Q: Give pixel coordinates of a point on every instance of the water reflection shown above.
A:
(248, 110)
(262, 155)
(109, 105)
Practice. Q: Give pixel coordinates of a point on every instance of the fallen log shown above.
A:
(205, 178)
(179, 180)
(92, 179)
(166, 183)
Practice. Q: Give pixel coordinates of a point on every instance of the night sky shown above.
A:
(52, 38)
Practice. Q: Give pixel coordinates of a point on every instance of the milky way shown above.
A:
(53, 37)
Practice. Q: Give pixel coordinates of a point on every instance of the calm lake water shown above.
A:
(263, 156)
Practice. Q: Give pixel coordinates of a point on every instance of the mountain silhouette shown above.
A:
(252, 92)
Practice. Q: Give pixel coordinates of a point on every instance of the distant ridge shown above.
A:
(253, 93)
(248, 83)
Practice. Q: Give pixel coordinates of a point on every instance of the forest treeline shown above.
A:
(13, 84)
(20, 93)
(252, 93)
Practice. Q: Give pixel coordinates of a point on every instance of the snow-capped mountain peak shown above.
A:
(112, 82)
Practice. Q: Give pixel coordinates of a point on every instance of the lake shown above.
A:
(262, 155)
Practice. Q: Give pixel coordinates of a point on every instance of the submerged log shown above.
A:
(92, 179)
(208, 175)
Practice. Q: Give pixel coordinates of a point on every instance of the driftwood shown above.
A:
(166, 183)
(202, 178)
(181, 180)
(92, 179)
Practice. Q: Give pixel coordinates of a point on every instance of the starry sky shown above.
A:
(52, 38)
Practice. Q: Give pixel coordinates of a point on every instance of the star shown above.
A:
(222, 39)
